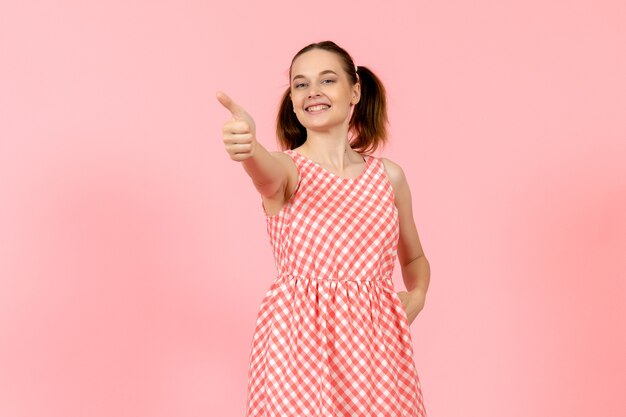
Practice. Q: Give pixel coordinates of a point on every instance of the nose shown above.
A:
(313, 91)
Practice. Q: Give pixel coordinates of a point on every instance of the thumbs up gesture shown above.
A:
(239, 132)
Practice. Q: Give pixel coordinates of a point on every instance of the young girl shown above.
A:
(332, 337)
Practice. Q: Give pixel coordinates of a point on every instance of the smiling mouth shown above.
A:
(318, 108)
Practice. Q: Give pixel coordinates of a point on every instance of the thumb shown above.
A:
(235, 109)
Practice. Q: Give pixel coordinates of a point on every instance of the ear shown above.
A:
(356, 93)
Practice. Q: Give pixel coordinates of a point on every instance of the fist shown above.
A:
(240, 132)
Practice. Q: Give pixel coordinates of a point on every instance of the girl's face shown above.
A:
(321, 92)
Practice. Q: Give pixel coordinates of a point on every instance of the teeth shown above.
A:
(318, 107)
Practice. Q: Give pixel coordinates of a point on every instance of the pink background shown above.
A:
(134, 254)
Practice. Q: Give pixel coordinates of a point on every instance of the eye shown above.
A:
(330, 81)
(298, 85)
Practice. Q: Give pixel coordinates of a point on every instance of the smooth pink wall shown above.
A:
(133, 251)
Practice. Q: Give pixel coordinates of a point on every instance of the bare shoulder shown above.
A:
(282, 157)
(290, 166)
(396, 176)
(274, 203)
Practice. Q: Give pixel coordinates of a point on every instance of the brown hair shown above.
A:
(369, 118)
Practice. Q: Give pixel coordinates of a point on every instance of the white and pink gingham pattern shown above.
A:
(332, 338)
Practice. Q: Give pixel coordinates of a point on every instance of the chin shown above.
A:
(321, 122)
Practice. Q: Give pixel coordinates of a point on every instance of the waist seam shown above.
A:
(383, 278)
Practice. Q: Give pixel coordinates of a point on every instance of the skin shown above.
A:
(275, 175)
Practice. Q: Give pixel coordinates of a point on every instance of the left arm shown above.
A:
(415, 266)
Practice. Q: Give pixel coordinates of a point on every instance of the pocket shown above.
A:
(400, 310)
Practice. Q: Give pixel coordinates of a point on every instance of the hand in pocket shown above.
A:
(413, 302)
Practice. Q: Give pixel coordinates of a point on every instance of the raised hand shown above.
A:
(239, 132)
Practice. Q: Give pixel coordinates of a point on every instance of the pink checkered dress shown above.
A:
(332, 338)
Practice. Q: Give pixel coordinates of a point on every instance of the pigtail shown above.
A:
(289, 130)
(369, 119)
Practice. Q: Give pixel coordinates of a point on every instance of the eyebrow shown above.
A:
(321, 73)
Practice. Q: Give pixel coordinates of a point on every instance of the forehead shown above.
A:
(314, 61)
